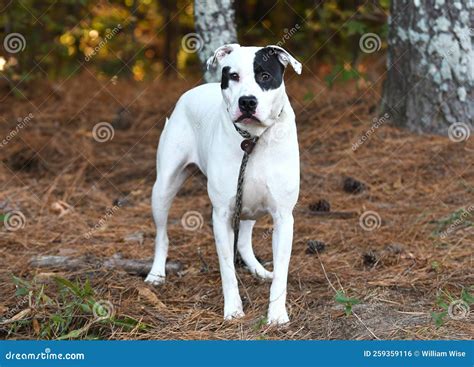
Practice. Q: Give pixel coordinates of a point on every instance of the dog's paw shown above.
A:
(278, 319)
(233, 309)
(233, 305)
(233, 315)
(155, 279)
(259, 271)
(263, 274)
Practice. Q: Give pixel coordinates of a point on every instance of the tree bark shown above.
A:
(215, 24)
(430, 65)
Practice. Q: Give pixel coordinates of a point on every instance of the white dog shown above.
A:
(202, 131)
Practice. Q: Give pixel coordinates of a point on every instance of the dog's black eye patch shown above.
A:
(268, 70)
(225, 77)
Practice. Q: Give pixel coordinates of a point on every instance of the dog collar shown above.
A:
(249, 141)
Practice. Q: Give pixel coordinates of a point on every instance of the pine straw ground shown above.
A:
(396, 271)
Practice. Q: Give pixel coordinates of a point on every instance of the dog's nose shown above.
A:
(248, 104)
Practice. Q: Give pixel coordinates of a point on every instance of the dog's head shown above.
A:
(252, 82)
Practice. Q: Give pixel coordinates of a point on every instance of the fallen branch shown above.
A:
(333, 215)
(131, 266)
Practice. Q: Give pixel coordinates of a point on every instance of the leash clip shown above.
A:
(247, 145)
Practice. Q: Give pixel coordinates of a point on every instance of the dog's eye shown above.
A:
(265, 77)
(234, 76)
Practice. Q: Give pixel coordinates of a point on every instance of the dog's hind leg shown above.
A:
(246, 251)
(171, 173)
(164, 190)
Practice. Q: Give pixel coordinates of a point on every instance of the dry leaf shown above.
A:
(398, 184)
(61, 207)
(150, 297)
(36, 327)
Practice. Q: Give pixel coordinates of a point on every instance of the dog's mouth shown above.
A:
(246, 118)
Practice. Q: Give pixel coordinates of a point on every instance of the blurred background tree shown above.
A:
(143, 39)
(430, 80)
(215, 26)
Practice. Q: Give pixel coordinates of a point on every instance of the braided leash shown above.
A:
(247, 146)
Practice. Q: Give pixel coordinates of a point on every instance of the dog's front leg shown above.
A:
(281, 243)
(224, 242)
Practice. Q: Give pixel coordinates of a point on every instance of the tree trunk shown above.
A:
(171, 29)
(430, 65)
(215, 24)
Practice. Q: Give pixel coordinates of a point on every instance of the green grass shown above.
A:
(67, 310)
(347, 302)
(260, 324)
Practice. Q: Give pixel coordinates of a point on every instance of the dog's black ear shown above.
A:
(284, 57)
(220, 53)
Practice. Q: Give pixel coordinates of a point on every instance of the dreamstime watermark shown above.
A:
(22, 123)
(370, 220)
(15, 309)
(108, 36)
(46, 355)
(109, 213)
(102, 132)
(14, 43)
(464, 40)
(370, 43)
(192, 43)
(103, 310)
(192, 221)
(459, 310)
(464, 215)
(287, 35)
(14, 220)
(267, 234)
(279, 132)
(377, 122)
(458, 132)
(198, 123)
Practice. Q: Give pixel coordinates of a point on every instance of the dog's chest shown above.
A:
(269, 182)
(257, 194)
(271, 178)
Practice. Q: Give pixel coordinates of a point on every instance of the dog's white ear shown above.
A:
(220, 53)
(285, 58)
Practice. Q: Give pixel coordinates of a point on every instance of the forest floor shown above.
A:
(403, 251)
